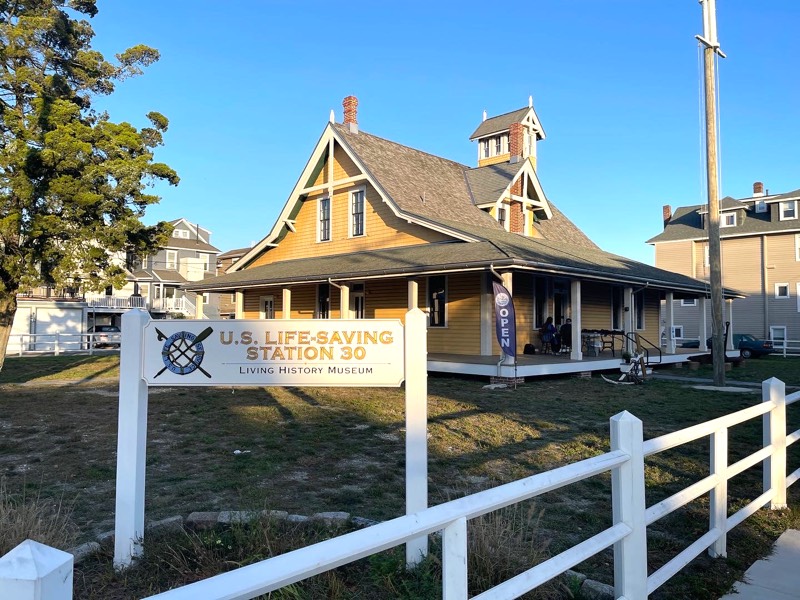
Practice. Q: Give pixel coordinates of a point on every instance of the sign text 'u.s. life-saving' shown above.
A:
(307, 352)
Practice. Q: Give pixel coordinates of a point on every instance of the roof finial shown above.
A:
(332, 118)
(484, 115)
(530, 101)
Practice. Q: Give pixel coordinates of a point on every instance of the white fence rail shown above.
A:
(58, 343)
(103, 301)
(179, 305)
(787, 347)
(628, 534)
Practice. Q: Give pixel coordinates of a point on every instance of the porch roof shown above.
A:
(501, 249)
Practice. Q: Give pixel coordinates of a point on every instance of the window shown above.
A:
(777, 333)
(172, 259)
(267, 308)
(485, 148)
(204, 258)
(688, 302)
(498, 146)
(761, 206)
(677, 332)
(501, 216)
(706, 260)
(323, 301)
(357, 301)
(437, 301)
(180, 233)
(357, 213)
(638, 302)
(781, 290)
(324, 232)
(616, 308)
(788, 210)
(728, 220)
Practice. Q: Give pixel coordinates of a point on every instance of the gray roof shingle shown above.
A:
(499, 123)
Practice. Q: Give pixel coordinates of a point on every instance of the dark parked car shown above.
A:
(105, 336)
(748, 345)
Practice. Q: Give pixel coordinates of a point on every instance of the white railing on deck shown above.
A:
(102, 301)
(628, 533)
(58, 343)
(181, 305)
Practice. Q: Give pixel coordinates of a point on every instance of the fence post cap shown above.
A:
(30, 560)
(625, 416)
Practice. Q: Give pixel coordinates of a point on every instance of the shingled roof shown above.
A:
(489, 182)
(499, 123)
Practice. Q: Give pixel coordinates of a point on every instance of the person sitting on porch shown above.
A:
(548, 333)
(565, 335)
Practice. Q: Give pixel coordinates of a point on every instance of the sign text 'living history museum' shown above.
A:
(298, 352)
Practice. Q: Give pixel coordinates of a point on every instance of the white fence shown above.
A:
(628, 533)
(178, 305)
(103, 301)
(787, 347)
(57, 343)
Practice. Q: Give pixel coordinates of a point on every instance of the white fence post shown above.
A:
(56, 345)
(775, 435)
(454, 560)
(718, 510)
(33, 571)
(21, 338)
(628, 502)
(416, 382)
(131, 442)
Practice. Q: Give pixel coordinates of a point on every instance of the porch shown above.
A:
(537, 365)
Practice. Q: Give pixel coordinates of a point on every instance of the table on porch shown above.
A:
(596, 341)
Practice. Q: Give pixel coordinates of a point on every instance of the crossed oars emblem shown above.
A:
(184, 352)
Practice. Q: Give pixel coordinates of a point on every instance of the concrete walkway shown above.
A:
(776, 577)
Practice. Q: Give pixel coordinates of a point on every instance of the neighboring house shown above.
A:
(227, 301)
(374, 227)
(760, 249)
(153, 283)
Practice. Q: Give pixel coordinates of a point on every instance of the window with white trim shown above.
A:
(172, 259)
(788, 210)
(781, 290)
(324, 226)
(485, 148)
(638, 302)
(357, 213)
(728, 220)
(323, 301)
(677, 332)
(761, 206)
(266, 309)
(437, 301)
(501, 216)
(777, 333)
(180, 233)
(688, 302)
(204, 257)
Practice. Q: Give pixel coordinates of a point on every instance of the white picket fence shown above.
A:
(627, 535)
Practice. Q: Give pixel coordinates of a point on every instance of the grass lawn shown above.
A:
(327, 449)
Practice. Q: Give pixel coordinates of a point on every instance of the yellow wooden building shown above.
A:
(374, 227)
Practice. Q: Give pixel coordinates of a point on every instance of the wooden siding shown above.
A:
(494, 160)
(595, 305)
(782, 267)
(462, 335)
(676, 257)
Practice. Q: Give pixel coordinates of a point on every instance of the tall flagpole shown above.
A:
(709, 40)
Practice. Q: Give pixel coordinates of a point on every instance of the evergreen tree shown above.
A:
(72, 183)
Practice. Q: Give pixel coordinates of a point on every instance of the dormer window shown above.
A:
(761, 206)
(788, 210)
(324, 227)
(728, 220)
(485, 148)
(180, 233)
(501, 216)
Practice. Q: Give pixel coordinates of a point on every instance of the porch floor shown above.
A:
(535, 365)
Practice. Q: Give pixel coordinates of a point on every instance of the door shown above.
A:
(357, 301)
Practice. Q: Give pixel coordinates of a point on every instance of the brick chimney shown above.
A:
(666, 213)
(350, 104)
(515, 141)
(758, 189)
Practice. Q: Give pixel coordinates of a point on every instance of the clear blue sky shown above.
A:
(248, 86)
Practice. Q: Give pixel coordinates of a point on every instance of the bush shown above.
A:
(39, 519)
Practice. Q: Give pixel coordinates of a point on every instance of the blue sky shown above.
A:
(248, 87)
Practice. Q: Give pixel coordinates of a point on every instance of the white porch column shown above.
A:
(413, 294)
(701, 306)
(575, 295)
(670, 323)
(730, 318)
(239, 313)
(344, 301)
(509, 285)
(627, 301)
(198, 307)
(286, 313)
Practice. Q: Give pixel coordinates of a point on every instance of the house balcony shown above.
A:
(174, 305)
(117, 302)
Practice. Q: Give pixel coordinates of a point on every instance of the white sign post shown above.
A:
(292, 352)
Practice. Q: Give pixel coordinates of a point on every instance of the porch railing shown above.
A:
(102, 301)
(181, 305)
(58, 343)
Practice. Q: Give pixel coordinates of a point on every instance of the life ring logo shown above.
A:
(502, 299)
(183, 352)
